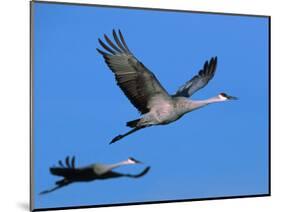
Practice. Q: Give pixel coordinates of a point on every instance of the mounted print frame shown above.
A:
(142, 105)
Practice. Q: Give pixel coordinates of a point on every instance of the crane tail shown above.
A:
(119, 137)
(133, 123)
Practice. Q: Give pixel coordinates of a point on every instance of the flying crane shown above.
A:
(147, 94)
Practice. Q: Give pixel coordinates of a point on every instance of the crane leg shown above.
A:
(53, 189)
(60, 184)
(119, 137)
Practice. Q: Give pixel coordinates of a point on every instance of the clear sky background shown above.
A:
(219, 150)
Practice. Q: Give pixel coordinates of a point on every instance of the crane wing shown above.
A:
(138, 83)
(144, 172)
(64, 170)
(200, 80)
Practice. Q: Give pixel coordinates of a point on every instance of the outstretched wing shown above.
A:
(138, 83)
(144, 172)
(200, 80)
(64, 170)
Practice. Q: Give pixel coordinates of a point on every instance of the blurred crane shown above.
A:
(96, 171)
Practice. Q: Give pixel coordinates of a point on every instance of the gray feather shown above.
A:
(118, 42)
(111, 44)
(123, 41)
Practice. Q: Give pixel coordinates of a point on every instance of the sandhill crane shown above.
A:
(146, 93)
(96, 171)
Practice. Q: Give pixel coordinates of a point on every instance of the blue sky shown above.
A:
(219, 150)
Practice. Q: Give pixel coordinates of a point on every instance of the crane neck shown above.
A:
(196, 104)
(116, 165)
(208, 101)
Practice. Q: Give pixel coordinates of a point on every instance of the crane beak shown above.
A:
(232, 98)
(137, 161)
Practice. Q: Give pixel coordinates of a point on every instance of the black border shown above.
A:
(31, 90)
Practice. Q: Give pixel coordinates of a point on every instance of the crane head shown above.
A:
(132, 160)
(224, 96)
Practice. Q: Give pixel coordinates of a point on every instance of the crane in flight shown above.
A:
(95, 171)
(147, 94)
